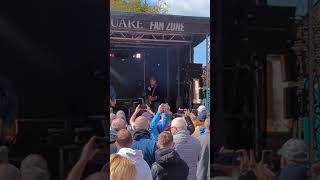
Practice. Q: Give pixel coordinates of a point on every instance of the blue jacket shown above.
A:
(162, 125)
(293, 172)
(142, 141)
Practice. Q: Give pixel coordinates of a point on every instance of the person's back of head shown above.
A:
(124, 139)
(9, 172)
(34, 173)
(34, 160)
(178, 124)
(141, 123)
(165, 140)
(122, 168)
(202, 109)
(294, 151)
(121, 114)
(97, 176)
(118, 124)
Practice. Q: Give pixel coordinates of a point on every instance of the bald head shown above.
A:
(9, 172)
(124, 139)
(141, 123)
(118, 124)
(179, 123)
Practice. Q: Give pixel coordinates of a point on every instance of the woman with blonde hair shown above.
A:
(121, 168)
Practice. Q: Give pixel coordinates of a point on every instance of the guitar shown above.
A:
(150, 98)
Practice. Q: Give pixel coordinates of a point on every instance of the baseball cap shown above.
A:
(201, 108)
(295, 150)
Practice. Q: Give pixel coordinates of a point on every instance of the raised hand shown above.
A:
(89, 150)
(149, 110)
(138, 109)
(244, 160)
(161, 108)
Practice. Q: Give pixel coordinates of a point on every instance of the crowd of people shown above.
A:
(160, 145)
(293, 158)
(35, 166)
(32, 167)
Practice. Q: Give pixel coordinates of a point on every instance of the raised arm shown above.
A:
(88, 152)
(149, 110)
(134, 115)
(164, 123)
(155, 120)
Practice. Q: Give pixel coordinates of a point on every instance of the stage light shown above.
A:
(112, 55)
(138, 55)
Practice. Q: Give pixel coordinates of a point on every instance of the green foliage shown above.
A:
(138, 6)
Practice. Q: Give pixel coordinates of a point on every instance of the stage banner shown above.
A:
(159, 23)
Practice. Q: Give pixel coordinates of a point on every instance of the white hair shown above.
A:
(180, 123)
(121, 114)
(9, 172)
(118, 124)
(34, 160)
(34, 173)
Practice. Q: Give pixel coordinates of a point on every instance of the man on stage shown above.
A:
(153, 98)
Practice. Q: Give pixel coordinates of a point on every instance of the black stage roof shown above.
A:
(138, 30)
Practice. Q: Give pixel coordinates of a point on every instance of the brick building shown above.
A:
(301, 51)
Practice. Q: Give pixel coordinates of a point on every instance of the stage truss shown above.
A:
(147, 39)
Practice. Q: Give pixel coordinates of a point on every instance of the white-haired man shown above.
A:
(116, 125)
(187, 146)
(34, 167)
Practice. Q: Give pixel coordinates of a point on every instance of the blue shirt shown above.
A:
(154, 131)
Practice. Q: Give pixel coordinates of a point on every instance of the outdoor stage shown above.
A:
(165, 43)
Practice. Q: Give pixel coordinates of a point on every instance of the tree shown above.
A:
(138, 6)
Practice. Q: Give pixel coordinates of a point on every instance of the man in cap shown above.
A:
(199, 123)
(294, 160)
